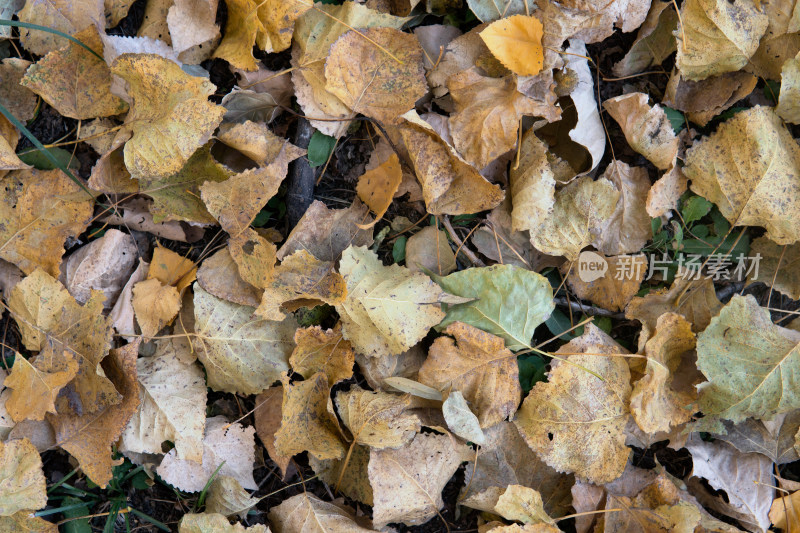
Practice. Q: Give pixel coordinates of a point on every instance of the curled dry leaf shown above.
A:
(506, 301)
(40, 210)
(480, 367)
(449, 185)
(170, 115)
(461, 420)
(407, 483)
(305, 513)
(319, 350)
(580, 213)
(388, 309)
(377, 72)
(267, 417)
(308, 422)
(628, 229)
(429, 249)
(616, 288)
(24, 485)
(717, 36)
(301, 280)
(778, 266)
(377, 419)
(750, 168)
(575, 421)
(647, 129)
(225, 442)
(654, 42)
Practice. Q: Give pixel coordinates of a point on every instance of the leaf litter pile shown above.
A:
(276, 265)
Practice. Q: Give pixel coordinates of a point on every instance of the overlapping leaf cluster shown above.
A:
(501, 119)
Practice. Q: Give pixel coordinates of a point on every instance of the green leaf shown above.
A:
(557, 323)
(750, 363)
(399, 249)
(79, 525)
(261, 218)
(39, 159)
(712, 244)
(509, 302)
(532, 369)
(319, 148)
(695, 208)
(676, 118)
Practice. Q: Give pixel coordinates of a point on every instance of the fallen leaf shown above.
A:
(745, 478)
(219, 275)
(254, 140)
(89, 437)
(590, 22)
(574, 421)
(319, 350)
(305, 513)
(628, 229)
(377, 419)
(278, 18)
(449, 184)
(487, 114)
(774, 438)
(172, 406)
(715, 38)
(705, 99)
(74, 81)
(506, 301)
(779, 43)
(480, 367)
(517, 42)
(240, 354)
(24, 522)
(532, 185)
(254, 256)
(349, 475)
(326, 233)
(135, 214)
(171, 269)
(429, 249)
(267, 417)
(522, 504)
(488, 10)
(654, 42)
(580, 213)
(170, 115)
(228, 443)
(777, 267)
(746, 360)
(461, 420)
(377, 186)
(301, 280)
(658, 402)
(388, 309)
(52, 321)
(646, 128)
(405, 364)
(227, 497)
(767, 191)
(155, 306)
(241, 31)
(788, 105)
(615, 289)
(785, 511)
(308, 421)
(40, 210)
(67, 16)
(409, 490)
(33, 389)
(215, 523)
(24, 485)
(192, 23)
(377, 72)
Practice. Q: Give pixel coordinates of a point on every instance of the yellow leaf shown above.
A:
(615, 289)
(322, 350)
(575, 420)
(170, 115)
(215, 523)
(377, 72)
(34, 389)
(52, 321)
(789, 100)
(532, 185)
(171, 269)
(240, 354)
(305, 513)
(253, 139)
(388, 309)
(68, 16)
(278, 18)
(517, 42)
(89, 437)
(487, 114)
(301, 280)
(308, 421)
(23, 487)
(254, 255)
(267, 418)
(750, 168)
(647, 129)
(9, 137)
(40, 210)
(656, 404)
(74, 81)
(376, 187)
(241, 30)
(155, 306)
(480, 366)
(377, 419)
(351, 477)
(25, 522)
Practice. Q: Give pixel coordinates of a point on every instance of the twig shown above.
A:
(587, 309)
(300, 184)
(456, 239)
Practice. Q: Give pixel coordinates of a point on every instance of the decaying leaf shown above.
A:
(227, 497)
(507, 301)
(705, 99)
(654, 42)
(308, 421)
(267, 417)
(377, 419)
(532, 185)
(575, 420)
(647, 129)
(461, 420)
(480, 367)
(319, 350)
(67, 16)
(788, 105)
(215, 523)
(750, 168)
(239, 353)
(225, 442)
(407, 483)
(778, 266)
(155, 306)
(241, 31)
(388, 309)
(429, 249)
(305, 513)
(219, 275)
(616, 288)
(23, 486)
(377, 186)
(627, 230)
(34, 390)
(772, 438)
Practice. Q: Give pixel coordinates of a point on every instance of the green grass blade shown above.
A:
(202, 499)
(30, 26)
(47, 512)
(159, 525)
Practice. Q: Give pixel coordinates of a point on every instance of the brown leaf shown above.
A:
(377, 419)
(613, 290)
(219, 276)
(35, 387)
(267, 417)
(377, 186)
(155, 306)
(16, 98)
(68, 16)
(628, 229)
(647, 129)
(705, 99)
(430, 249)
(321, 350)
(305, 513)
